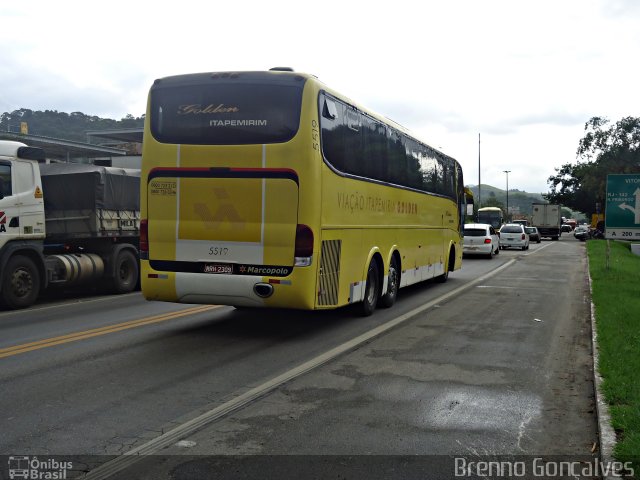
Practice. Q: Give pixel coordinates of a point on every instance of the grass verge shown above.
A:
(616, 296)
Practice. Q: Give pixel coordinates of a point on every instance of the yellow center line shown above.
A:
(95, 332)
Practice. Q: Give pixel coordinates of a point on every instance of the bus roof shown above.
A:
(277, 76)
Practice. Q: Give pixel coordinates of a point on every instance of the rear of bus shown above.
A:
(228, 175)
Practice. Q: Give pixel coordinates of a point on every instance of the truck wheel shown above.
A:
(393, 283)
(125, 272)
(371, 289)
(21, 282)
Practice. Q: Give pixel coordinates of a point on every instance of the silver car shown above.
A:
(534, 234)
(513, 235)
(480, 239)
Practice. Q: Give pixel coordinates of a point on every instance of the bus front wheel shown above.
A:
(447, 268)
(371, 290)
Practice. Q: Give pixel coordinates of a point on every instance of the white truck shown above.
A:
(548, 219)
(65, 224)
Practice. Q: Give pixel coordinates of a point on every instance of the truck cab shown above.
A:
(22, 223)
(21, 199)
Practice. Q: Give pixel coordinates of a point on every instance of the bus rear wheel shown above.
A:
(393, 283)
(371, 289)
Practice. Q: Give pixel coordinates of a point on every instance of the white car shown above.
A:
(480, 239)
(513, 235)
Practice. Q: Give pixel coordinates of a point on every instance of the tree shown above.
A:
(67, 126)
(492, 201)
(605, 149)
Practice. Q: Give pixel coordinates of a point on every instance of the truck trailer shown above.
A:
(548, 219)
(65, 224)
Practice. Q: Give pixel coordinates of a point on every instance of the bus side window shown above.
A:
(329, 111)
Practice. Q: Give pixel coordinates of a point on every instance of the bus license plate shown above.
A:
(218, 268)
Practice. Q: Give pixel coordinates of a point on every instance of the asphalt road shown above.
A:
(501, 367)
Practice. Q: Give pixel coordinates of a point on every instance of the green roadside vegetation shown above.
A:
(616, 296)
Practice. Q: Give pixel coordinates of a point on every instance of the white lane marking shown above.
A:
(541, 247)
(173, 436)
(546, 280)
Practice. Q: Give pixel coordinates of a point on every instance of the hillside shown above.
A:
(517, 199)
(67, 126)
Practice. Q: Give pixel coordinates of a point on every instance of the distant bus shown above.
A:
(269, 189)
(491, 215)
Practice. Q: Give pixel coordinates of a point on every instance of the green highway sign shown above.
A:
(622, 216)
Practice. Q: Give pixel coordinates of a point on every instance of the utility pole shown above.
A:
(479, 182)
(507, 172)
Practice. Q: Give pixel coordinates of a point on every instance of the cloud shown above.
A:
(550, 117)
(520, 74)
(26, 85)
(621, 8)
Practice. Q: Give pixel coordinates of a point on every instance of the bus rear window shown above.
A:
(225, 112)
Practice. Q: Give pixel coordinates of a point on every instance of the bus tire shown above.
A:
(448, 266)
(125, 273)
(21, 282)
(393, 284)
(371, 289)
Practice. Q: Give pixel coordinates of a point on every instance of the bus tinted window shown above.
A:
(357, 144)
(219, 113)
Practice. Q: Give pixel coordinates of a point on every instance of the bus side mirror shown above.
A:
(470, 209)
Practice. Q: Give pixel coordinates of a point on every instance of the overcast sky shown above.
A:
(524, 75)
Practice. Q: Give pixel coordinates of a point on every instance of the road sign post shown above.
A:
(622, 217)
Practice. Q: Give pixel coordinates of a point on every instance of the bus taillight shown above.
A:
(304, 246)
(144, 235)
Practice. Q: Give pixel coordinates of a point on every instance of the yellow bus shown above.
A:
(491, 215)
(269, 189)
